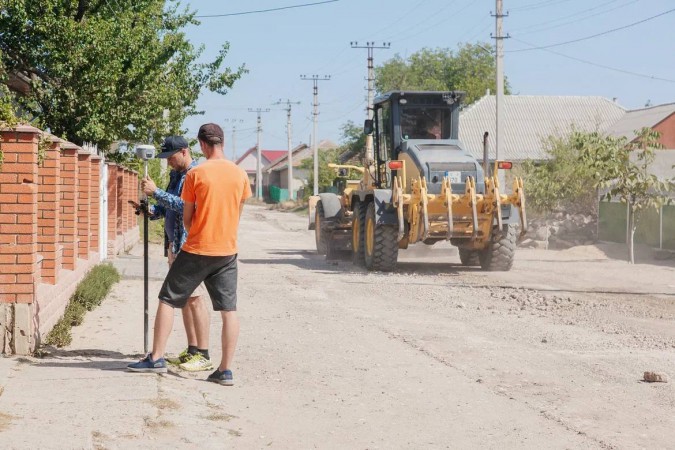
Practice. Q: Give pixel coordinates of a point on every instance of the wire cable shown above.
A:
(542, 47)
(577, 20)
(627, 72)
(538, 5)
(266, 10)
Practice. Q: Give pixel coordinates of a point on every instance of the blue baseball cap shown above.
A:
(171, 145)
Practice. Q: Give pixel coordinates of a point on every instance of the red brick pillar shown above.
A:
(112, 209)
(69, 198)
(133, 190)
(83, 203)
(49, 208)
(19, 272)
(95, 204)
(120, 200)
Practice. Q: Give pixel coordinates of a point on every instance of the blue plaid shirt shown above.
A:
(170, 200)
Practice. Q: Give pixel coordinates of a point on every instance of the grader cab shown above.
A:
(420, 186)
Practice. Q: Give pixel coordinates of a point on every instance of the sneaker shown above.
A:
(196, 363)
(184, 356)
(224, 377)
(148, 365)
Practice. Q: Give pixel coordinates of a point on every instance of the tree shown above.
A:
(101, 71)
(570, 178)
(353, 142)
(326, 174)
(471, 69)
(629, 180)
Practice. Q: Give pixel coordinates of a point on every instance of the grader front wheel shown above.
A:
(469, 257)
(381, 245)
(358, 230)
(499, 254)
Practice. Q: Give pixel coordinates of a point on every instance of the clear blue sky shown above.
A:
(277, 47)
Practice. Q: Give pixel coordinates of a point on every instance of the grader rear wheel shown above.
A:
(499, 254)
(319, 232)
(381, 245)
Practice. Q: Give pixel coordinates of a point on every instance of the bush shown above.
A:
(89, 293)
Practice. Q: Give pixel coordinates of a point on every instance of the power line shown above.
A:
(558, 19)
(627, 72)
(266, 10)
(538, 29)
(538, 5)
(594, 35)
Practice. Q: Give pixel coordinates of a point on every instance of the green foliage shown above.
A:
(569, 179)
(471, 69)
(353, 142)
(326, 174)
(104, 71)
(88, 294)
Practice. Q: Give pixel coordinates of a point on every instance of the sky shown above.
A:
(634, 64)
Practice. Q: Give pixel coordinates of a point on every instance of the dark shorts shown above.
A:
(219, 274)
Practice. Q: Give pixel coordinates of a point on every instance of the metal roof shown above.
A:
(639, 118)
(529, 119)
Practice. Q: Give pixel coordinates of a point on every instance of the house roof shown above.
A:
(662, 166)
(637, 119)
(269, 155)
(528, 119)
(282, 162)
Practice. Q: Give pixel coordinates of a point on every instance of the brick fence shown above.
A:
(58, 219)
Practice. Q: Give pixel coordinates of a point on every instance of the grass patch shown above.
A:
(164, 403)
(89, 294)
(219, 417)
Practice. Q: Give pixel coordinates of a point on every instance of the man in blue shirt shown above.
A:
(170, 206)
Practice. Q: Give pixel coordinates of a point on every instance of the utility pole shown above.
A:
(234, 136)
(370, 157)
(258, 170)
(315, 144)
(499, 66)
(291, 194)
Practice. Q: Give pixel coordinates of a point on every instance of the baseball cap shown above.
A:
(171, 145)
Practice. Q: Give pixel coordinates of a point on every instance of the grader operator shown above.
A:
(420, 186)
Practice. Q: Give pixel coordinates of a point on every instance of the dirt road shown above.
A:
(549, 355)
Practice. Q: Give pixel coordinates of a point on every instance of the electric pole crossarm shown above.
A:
(370, 46)
(289, 160)
(258, 172)
(315, 79)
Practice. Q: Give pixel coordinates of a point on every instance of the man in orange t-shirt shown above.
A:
(213, 194)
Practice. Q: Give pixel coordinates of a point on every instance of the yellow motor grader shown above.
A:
(420, 186)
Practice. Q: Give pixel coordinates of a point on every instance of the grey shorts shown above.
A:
(219, 274)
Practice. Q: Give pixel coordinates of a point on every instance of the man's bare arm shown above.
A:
(188, 213)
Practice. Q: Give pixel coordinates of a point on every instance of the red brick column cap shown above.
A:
(23, 128)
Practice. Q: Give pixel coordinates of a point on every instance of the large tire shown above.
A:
(469, 257)
(381, 249)
(320, 235)
(499, 254)
(358, 230)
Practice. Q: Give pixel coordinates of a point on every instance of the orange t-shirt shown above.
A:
(217, 187)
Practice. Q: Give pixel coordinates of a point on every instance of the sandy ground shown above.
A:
(434, 355)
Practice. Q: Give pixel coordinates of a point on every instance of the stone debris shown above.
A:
(655, 377)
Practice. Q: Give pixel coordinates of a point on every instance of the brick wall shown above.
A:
(50, 229)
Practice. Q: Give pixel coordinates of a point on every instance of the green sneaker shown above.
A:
(196, 364)
(184, 356)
